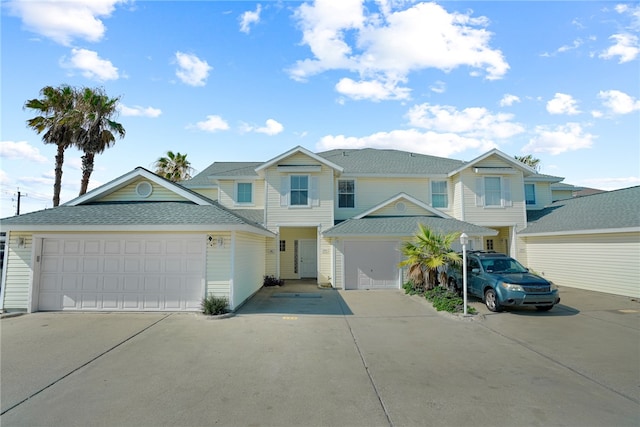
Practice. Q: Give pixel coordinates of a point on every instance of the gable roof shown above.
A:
(617, 210)
(221, 170)
(376, 162)
(403, 226)
(138, 216)
(127, 178)
(406, 197)
(296, 150)
(495, 152)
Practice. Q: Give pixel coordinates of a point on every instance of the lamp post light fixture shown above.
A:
(464, 239)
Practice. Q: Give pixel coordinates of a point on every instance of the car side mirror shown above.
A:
(475, 270)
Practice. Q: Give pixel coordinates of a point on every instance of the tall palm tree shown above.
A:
(174, 166)
(57, 119)
(530, 161)
(428, 251)
(99, 130)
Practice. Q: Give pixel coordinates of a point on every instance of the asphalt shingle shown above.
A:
(403, 226)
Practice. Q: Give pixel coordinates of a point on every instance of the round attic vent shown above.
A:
(144, 189)
(401, 207)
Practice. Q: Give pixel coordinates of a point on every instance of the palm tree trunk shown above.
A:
(87, 169)
(57, 184)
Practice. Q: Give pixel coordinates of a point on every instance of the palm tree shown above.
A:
(175, 167)
(530, 161)
(57, 119)
(428, 251)
(99, 130)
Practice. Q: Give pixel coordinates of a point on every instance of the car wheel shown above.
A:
(544, 307)
(491, 300)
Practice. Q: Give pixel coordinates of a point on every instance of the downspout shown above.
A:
(233, 270)
(5, 265)
(462, 200)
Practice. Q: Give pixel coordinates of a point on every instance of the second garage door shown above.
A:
(122, 272)
(371, 265)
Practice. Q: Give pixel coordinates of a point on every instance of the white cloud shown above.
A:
(610, 183)
(562, 104)
(63, 21)
(568, 137)
(271, 127)
(4, 178)
(138, 111)
(212, 124)
(21, 150)
(373, 90)
(625, 47)
(343, 35)
(438, 87)
(90, 65)
(475, 122)
(248, 18)
(618, 102)
(191, 69)
(508, 100)
(412, 140)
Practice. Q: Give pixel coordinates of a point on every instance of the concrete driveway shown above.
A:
(311, 357)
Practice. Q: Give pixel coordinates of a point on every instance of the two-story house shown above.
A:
(141, 242)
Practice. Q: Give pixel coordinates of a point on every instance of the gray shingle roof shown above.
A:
(135, 214)
(226, 169)
(612, 209)
(385, 162)
(403, 226)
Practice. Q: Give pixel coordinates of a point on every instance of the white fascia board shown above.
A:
(409, 199)
(394, 175)
(577, 232)
(516, 163)
(234, 178)
(142, 228)
(295, 150)
(554, 179)
(127, 178)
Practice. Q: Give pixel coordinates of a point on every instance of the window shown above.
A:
(244, 192)
(346, 194)
(299, 190)
(530, 194)
(493, 191)
(489, 244)
(439, 194)
(283, 245)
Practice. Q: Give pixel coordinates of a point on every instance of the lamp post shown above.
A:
(464, 239)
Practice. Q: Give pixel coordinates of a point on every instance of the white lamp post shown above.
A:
(464, 239)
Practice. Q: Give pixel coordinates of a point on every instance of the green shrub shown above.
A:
(214, 306)
(272, 281)
(446, 300)
(410, 288)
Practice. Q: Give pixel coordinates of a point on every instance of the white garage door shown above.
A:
(131, 273)
(371, 264)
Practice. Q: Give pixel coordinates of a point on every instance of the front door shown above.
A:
(307, 259)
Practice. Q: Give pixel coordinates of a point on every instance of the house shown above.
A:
(590, 242)
(141, 242)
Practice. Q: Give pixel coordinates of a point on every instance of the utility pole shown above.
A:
(18, 201)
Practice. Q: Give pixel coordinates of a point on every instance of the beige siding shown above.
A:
(128, 193)
(249, 266)
(211, 193)
(338, 281)
(394, 209)
(597, 262)
(287, 257)
(456, 202)
(19, 273)
(227, 196)
(272, 247)
(561, 194)
(219, 267)
(543, 195)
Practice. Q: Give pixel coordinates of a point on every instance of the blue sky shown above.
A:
(246, 81)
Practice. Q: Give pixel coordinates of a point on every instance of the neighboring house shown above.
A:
(563, 191)
(141, 242)
(590, 242)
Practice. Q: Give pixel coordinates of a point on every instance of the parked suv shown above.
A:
(502, 281)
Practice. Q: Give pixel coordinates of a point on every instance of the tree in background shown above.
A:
(98, 130)
(530, 161)
(428, 251)
(174, 166)
(56, 118)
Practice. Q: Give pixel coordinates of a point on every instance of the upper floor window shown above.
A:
(493, 191)
(439, 194)
(244, 192)
(299, 190)
(346, 193)
(530, 194)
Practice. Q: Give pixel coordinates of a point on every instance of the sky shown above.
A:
(248, 81)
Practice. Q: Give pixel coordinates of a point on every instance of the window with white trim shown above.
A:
(493, 191)
(299, 190)
(244, 192)
(346, 193)
(439, 194)
(530, 194)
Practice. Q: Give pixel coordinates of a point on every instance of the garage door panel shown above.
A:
(143, 273)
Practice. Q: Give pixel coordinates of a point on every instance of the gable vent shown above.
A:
(144, 189)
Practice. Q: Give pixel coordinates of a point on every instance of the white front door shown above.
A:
(307, 259)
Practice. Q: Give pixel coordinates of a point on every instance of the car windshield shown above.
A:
(502, 265)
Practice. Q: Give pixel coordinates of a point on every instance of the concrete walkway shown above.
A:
(330, 358)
